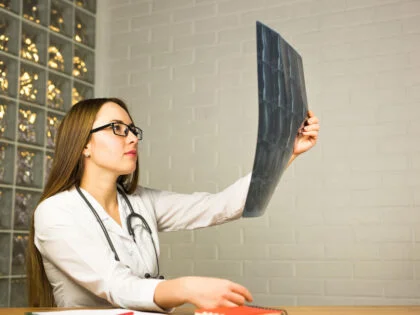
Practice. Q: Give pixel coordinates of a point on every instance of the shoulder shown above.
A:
(57, 208)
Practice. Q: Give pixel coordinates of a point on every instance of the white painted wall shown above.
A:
(344, 224)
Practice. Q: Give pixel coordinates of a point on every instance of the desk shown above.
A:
(292, 310)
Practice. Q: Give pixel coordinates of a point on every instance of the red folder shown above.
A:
(240, 310)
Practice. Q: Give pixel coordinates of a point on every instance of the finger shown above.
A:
(227, 303)
(236, 298)
(310, 114)
(312, 134)
(313, 120)
(311, 127)
(237, 288)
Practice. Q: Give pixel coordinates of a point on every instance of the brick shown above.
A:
(325, 270)
(234, 6)
(309, 234)
(324, 300)
(194, 252)
(193, 70)
(297, 286)
(269, 236)
(155, 76)
(172, 59)
(243, 252)
(180, 268)
(402, 289)
(382, 234)
(174, 87)
(216, 82)
(163, 5)
(351, 251)
(218, 235)
(217, 268)
(215, 24)
(169, 31)
(182, 237)
(194, 13)
(194, 41)
(302, 218)
(206, 54)
(349, 288)
(355, 216)
(384, 270)
(129, 11)
(411, 25)
(382, 197)
(235, 64)
(149, 48)
(150, 21)
(399, 251)
(236, 35)
(271, 269)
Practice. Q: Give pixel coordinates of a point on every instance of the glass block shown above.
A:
(33, 44)
(4, 253)
(58, 92)
(4, 292)
(6, 162)
(53, 122)
(61, 18)
(81, 92)
(7, 119)
(59, 54)
(32, 84)
(25, 203)
(5, 208)
(49, 157)
(9, 26)
(20, 242)
(10, 5)
(18, 294)
(30, 125)
(89, 5)
(84, 29)
(35, 11)
(29, 167)
(8, 76)
(83, 64)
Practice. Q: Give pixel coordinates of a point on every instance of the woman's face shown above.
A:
(107, 151)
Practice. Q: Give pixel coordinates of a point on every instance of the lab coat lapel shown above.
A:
(109, 223)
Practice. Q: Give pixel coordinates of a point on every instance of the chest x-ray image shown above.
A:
(282, 110)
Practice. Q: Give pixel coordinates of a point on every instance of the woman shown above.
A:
(93, 236)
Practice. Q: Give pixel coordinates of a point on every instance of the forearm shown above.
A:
(170, 293)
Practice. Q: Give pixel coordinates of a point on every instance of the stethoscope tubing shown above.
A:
(130, 217)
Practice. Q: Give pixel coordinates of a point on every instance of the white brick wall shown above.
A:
(344, 223)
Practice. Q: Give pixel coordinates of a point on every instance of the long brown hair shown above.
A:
(66, 171)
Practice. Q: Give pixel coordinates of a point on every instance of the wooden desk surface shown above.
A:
(292, 310)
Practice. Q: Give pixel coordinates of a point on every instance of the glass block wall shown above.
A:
(47, 58)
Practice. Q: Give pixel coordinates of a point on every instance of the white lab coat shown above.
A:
(79, 262)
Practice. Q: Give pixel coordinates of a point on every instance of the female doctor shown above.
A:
(94, 234)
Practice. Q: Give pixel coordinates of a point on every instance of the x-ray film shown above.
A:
(282, 110)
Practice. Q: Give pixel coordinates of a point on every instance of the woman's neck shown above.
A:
(104, 190)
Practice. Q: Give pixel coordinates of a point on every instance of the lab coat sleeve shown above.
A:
(176, 211)
(82, 256)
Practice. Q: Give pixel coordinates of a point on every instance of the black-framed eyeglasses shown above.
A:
(121, 129)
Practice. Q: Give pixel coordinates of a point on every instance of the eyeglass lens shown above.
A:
(123, 130)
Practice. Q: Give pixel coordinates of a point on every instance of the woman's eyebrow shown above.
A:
(121, 122)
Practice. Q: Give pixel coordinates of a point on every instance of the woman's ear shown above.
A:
(86, 151)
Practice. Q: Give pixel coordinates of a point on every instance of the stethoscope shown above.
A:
(130, 217)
